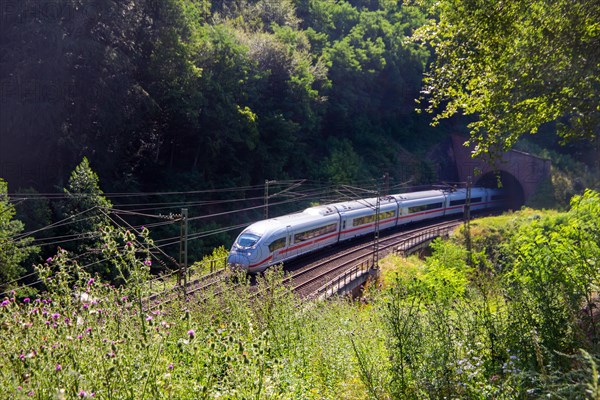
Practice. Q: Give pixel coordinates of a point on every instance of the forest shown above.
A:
(166, 94)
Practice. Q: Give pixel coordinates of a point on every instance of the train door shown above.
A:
(287, 252)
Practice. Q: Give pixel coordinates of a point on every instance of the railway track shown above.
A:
(308, 280)
(308, 274)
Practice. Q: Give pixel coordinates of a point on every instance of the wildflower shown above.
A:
(148, 263)
(55, 316)
(148, 318)
(49, 260)
(79, 336)
(5, 302)
(58, 367)
(22, 356)
(90, 281)
(191, 333)
(128, 244)
(26, 300)
(170, 367)
(31, 393)
(88, 330)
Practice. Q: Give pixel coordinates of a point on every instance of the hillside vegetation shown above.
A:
(165, 94)
(518, 323)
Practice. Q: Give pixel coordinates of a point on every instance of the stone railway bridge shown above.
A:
(521, 173)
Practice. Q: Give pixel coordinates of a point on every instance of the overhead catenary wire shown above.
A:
(60, 196)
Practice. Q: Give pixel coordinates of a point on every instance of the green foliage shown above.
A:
(212, 262)
(84, 338)
(86, 209)
(13, 249)
(514, 67)
(511, 326)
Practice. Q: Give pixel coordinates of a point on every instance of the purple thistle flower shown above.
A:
(79, 336)
(31, 393)
(90, 281)
(26, 300)
(170, 367)
(55, 316)
(49, 260)
(22, 356)
(88, 330)
(148, 263)
(128, 244)
(148, 318)
(58, 367)
(5, 302)
(82, 393)
(191, 333)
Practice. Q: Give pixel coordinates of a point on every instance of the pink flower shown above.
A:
(90, 281)
(58, 367)
(148, 263)
(26, 300)
(170, 367)
(191, 333)
(128, 244)
(49, 260)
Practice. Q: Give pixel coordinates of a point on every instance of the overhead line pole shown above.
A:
(468, 223)
(376, 236)
(267, 182)
(183, 250)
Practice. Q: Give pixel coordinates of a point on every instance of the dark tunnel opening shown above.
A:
(507, 182)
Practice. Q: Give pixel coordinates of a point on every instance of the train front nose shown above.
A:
(238, 261)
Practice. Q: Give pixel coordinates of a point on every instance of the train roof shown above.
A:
(419, 195)
(272, 224)
(328, 209)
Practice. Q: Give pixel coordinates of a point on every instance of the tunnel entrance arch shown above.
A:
(515, 196)
(521, 173)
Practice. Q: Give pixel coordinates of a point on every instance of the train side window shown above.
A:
(302, 236)
(424, 207)
(459, 202)
(277, 244)
(371, 218)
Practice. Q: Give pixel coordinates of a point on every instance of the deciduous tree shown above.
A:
(515, 66)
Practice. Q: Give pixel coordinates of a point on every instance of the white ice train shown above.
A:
(275, 240)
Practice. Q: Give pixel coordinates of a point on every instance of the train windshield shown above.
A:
(247, 240)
